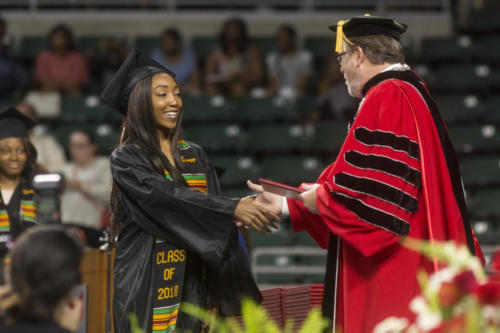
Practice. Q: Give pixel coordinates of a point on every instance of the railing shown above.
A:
(292, 270)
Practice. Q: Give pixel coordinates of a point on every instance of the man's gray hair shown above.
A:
(379, 49)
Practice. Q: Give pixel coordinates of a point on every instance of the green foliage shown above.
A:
(255, 320)
(134, 323)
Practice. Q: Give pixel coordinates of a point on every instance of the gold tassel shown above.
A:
(339, 46)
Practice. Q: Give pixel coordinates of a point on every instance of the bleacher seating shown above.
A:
(270, 137)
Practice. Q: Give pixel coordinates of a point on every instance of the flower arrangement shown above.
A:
(459, 298)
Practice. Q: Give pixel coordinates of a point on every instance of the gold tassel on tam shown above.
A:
(339, 46)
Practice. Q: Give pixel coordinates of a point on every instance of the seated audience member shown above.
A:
(105, 58)
(61, 68)
(334, 102)
(10, 83)
(17, 169)
(44, 270)
(235, 66)
(289, 68)
(88, 183)
(50, 153)
(179, 59)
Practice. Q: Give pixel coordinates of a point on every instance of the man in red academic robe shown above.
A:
(396, 175)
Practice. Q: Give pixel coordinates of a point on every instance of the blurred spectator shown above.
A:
(179, 59)
(105, 58)
(334, 102)
(289, 68)
(50, 153)
(17, 168)
(61, 68)
(10, 81)
(88, 183)
(44, 271)
(235, 66)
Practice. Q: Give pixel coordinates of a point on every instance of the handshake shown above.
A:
(261, 211)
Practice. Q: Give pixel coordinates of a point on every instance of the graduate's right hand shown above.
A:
(268, 200)
(254, 216)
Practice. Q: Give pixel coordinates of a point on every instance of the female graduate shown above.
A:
(17, 168)
(177, 240)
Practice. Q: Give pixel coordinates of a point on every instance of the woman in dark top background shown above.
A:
(178, 240)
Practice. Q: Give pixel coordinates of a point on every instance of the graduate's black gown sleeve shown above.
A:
(151, 206)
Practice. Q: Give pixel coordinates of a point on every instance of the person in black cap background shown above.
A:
(395, 176)
(178, 239)
(17, 169)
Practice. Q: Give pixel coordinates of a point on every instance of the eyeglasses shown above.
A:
(339, 57)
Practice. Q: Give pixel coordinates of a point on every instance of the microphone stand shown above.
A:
(107, 245)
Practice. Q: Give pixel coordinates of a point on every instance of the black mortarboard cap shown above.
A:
(136, 67)
(14, 124)
(365, 26)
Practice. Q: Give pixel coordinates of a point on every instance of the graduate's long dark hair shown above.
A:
(31, 168)
(141, 130)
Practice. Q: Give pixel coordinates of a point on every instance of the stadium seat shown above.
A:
(147, 43)
(286, 137)
(436, 49)
(488, 49)
(85, 44)
(30, 46)
(492, 108)
(264, 109)
(291, 170)
(278, 237)
(217, 138)
(206, 108)
(329, 136)
(265, 44)
(237, 169)
(475, 138)
(203, 46)
(480, 170)
(460, 107)
(85, 108)
(487, 231)
(302, 239)
(463, 77)
(484, 203)
(319, 45)
(107, 137)
(483, 21)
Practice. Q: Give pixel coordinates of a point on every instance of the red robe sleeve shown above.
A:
(368, 197)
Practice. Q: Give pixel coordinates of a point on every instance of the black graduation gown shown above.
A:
(151, 207)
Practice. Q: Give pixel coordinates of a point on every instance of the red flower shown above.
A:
(465, 281)
(454, 325)
(449, 294)
(488, 293)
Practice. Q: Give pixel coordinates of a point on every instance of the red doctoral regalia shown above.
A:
(396, 175)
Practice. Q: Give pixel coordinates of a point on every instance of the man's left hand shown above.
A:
(309, 197)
